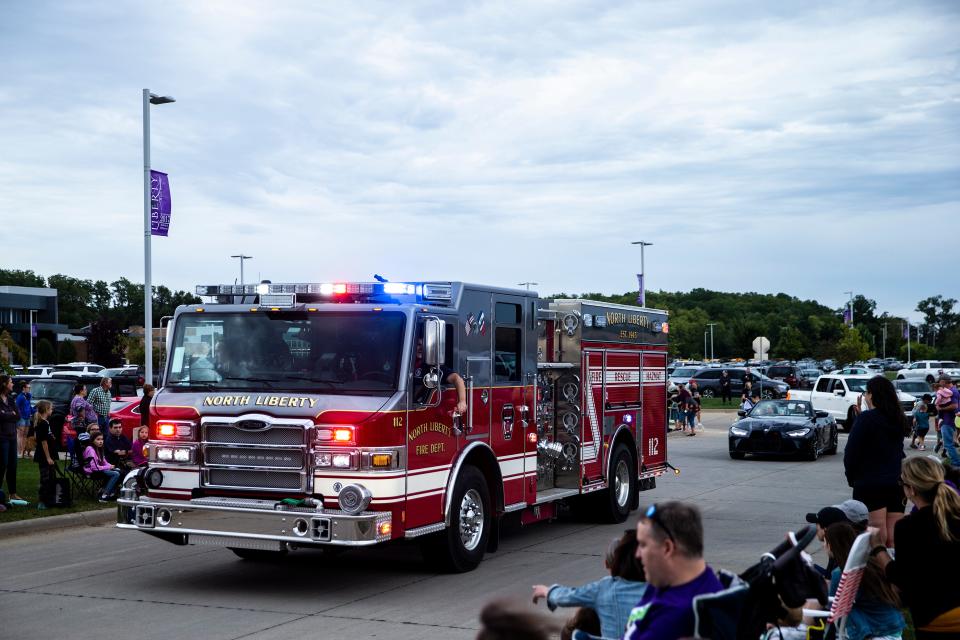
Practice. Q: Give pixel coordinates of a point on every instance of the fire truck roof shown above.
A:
(272, 294)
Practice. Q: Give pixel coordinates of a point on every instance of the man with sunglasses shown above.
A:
(670, 546)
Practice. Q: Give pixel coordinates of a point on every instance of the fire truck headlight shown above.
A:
(164, 454)
(342, 460)
(182, 454)
(323, 459)
(354, 498)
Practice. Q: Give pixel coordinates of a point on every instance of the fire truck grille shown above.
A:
(235, 457)
(255, 454)
(251, 432)
(240, 478)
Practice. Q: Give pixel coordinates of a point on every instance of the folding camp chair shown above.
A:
(848, 588)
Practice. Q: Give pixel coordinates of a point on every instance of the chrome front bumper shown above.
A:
(251, 523)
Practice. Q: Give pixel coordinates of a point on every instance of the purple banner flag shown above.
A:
(33, 330)
(846, 315)
(159, 203)
(906, 331)
(641, 297)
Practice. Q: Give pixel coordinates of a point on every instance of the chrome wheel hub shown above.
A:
(621, 483)
(471, 520)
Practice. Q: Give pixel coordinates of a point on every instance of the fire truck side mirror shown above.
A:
(434, 341)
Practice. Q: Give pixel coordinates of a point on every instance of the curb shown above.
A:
(65, 521)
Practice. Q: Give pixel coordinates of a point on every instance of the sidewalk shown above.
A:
(49, 523)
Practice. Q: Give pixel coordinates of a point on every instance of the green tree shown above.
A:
(66, 351)
(789, 344)
(20, 278)
(918, 351)
(74, 298)
(938, 317)
(852, 347)
(14, 352)
(45, 351)
(105, 344)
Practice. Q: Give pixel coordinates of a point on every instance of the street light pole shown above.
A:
(704, 345)
(711, 324)
(148, 99)
(527, 284)
(884, 340)
(643, 274)
(32, 311)
(242, 258)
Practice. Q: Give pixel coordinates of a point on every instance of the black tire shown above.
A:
(737, 455)
(708, 393)
(813, 453)
(258, 555)
(613, 503)
(834, 443)
(459, 549)
(768, 394)
(901, 378)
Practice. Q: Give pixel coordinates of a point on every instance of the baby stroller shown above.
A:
(762, 594)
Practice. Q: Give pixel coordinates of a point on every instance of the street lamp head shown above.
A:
(642, 243)
(155, 99)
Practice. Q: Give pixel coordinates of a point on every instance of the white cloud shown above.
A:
(492, 142)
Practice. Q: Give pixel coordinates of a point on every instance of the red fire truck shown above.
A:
(325, 414)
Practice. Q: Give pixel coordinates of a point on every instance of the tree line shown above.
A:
(796, 328)
(106, 308)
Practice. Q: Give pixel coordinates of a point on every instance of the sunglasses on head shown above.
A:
(653, 515)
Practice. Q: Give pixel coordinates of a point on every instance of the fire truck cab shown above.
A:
(325, 414)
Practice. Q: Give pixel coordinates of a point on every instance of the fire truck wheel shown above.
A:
(460, 547)
(614, 502)
(258, 555)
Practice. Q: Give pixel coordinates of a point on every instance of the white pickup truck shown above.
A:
(929, 370)
(839, 396)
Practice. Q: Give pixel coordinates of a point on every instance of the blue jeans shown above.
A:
(102, 421)
(948, 431)
(112, 475)
(8, 465)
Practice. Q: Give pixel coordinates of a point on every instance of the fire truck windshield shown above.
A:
(338, 352)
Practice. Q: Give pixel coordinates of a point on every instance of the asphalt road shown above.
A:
(115, 584)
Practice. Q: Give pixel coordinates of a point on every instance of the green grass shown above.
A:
(28, 482)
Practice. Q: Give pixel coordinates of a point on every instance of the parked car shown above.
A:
(892, 365)
(915, 388)
(786, 373)
(40, 370)
(79, 367)
(680, 375)
(132, 375)
(709, 382)
(808, 377)
(783, 427)
(872, 367)
(839, 395)
(59, 391)
(929, 370)
(127, 409)
(853, 370)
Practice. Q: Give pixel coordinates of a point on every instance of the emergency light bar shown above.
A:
(269, 294)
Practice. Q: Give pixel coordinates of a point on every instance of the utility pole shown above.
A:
(909, 359)
(704, 345)
(242, 258)
(884, 340)
(527, 284)
(711, 325)
(642, 294)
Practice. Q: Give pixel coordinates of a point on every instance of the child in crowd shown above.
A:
(96, 466)
(118, 447)
(46, 453)
(611, 597)
(137, 455)
(921, 421)
(876, 607)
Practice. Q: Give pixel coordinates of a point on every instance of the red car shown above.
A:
(127, 409)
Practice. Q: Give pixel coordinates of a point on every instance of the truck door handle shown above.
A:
(506, 415)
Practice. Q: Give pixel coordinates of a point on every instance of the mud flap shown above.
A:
(493, 543)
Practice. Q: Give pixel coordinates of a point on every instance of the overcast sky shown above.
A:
(806, 147)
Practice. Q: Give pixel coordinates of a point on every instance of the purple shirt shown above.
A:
(136, 453)
(79, 405)
(666, 613)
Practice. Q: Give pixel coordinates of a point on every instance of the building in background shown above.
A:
(16, 304)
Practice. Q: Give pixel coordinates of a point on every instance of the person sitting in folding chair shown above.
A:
(865, 605)
(98, 468)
